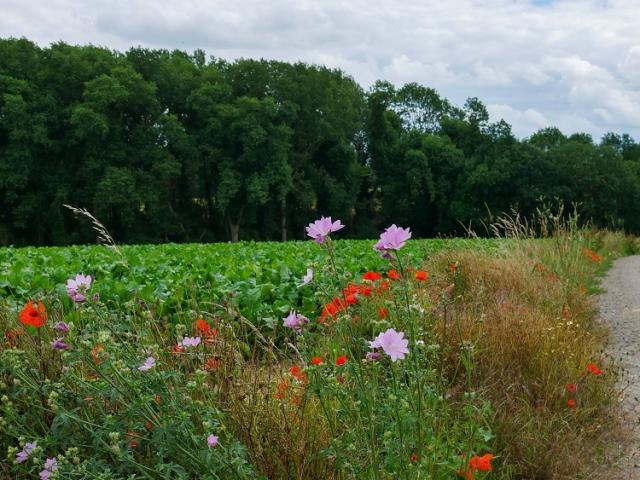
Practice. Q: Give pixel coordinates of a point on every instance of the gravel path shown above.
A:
(620, 310)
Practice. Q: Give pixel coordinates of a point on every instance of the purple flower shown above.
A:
(212, 440)
(393, 238)
(61, 327)
(148, 364)
(190, 341)
(308, 277)
(392, 343)
(23, 455)
(50, 466)
(373, 356)
(59, 344)
(295, 320)
(78, 287)
(319, 229)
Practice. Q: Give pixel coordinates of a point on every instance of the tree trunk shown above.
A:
(283, 219)
(234, 231)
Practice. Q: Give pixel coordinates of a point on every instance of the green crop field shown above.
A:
(263, 279)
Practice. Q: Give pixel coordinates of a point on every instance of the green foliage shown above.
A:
(169, 146)
(261, 280)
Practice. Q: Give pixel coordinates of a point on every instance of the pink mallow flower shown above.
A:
(295, 320)
(190, 341)
(320, 229)
(148, 364)
(62, 327)
(50, 466)
(212, 440)
(77, 287)
(392, 343)
(23, 455)
(308, 277)
(59, 344)
(393, 238)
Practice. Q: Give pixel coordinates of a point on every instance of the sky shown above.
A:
(574, 64)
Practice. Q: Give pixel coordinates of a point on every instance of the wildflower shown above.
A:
(212, 440)
(382, 313)
(320, 229)
(23, 455)
(298, 374)
(414, 457)
(331, 309)
(593, 368)
(365, 290)
(190, 341)
(371, 276)
(351, 299)
(50, 466)
(32, 316)
(392, 343)
(482, 463)
(453, 267)
(316, 360)
(202, 326)
(95, 353)
(308, 277)
(592, 255)
(295, 321)
(212, 364)
(148, 364)
(177, 349)
(78, 287)
(393, 238)
(422, 276)
(572, 403)
(61, 327)
(341, 360)
(393, 274)
(571, 387)
(373, 356)
(59, 344)
(281, 389)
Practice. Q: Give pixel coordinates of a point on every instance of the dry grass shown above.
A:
(532, 324)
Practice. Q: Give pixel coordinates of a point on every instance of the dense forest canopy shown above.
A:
(169, 146)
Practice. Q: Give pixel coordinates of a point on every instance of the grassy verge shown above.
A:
(501, 375)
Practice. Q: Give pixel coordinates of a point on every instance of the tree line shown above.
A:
(173, 146)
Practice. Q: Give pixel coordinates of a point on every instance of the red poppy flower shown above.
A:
(329, 309)
(350, 290)
(32, 316)
(341, 360)
(202, 326)
(96, 353)
(593, 368)
(298, 374)
(571, 387)
(316, 360)
(414, 457)
(383, 312)
(422, 276)
(211, 364)
(482, 463)
(572, 403)
(393, 274)
(453, 267)
(372, 276)
(351, 299)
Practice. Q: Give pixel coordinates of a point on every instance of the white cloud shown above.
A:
(574, 63)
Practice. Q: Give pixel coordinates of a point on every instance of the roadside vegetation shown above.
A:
(478, 361)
